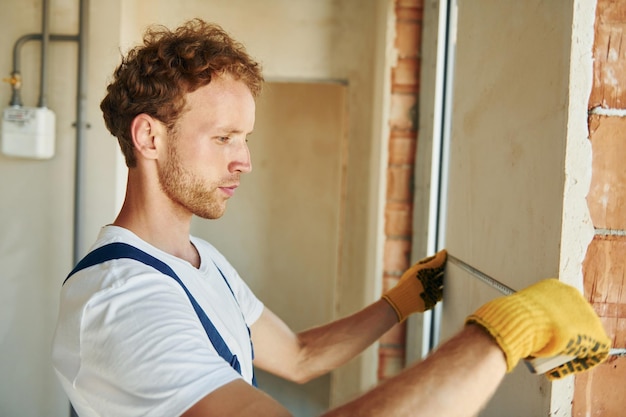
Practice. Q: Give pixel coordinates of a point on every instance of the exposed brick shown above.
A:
(390, 363)
(389, 281)
(607, 192)
(411, 14)
(408, 38)
(406, 89)
(619, 330)
(609, 56)
(396, 256)
(400, 183)
(395, 338)
(604, 269)
(402, 142)
(605, 283)
(615, 326)
(402, 146)
(405, 76)
(399, 219)
(410, 3)
(403, 112)
(600, 392)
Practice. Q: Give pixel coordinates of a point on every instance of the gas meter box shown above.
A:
(28, 132)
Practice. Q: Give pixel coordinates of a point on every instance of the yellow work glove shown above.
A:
(546, 319)
(420, 287)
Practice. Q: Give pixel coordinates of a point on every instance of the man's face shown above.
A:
(208, 150)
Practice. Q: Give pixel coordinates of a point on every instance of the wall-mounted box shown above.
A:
(28, 132)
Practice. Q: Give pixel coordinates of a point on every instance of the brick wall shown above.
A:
(402, 144)
(600, 392)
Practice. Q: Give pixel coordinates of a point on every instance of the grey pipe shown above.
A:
(35, 37)
(45, 42)
(16, 99)
(81, 133)
(81, 125)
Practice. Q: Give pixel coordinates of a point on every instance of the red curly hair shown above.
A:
(154, 77)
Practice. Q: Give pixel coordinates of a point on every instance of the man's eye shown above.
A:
(223, 139)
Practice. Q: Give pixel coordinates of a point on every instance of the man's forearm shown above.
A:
(330, 346)
(439, 385)
(314, 352)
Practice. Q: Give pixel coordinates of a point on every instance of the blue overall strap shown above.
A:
(120, 250)
(249, 332)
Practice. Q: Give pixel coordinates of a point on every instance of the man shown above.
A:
(156, 322)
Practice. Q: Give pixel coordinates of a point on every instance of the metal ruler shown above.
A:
(536, 365)
(481, 276)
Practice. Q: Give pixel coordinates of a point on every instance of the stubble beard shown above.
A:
(187, 190)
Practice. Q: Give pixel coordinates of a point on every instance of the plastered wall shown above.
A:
(508, 136)
(37, 197)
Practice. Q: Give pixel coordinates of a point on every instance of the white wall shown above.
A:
(37, 202)
(36, 219)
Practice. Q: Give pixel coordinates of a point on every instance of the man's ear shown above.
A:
(145, 131)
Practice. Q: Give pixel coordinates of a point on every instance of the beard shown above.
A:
(187, 190)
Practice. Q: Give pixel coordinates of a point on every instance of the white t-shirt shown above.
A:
(128, 342)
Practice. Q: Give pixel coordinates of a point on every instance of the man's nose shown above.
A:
(242, 161)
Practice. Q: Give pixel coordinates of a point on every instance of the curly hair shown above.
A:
(154, 77)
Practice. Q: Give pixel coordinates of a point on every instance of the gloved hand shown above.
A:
(546, 319)
(420, 287)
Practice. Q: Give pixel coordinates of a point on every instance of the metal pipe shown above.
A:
(81, 126)
(45, 42)
(16, 84)
(35, 37)
(81, 131)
